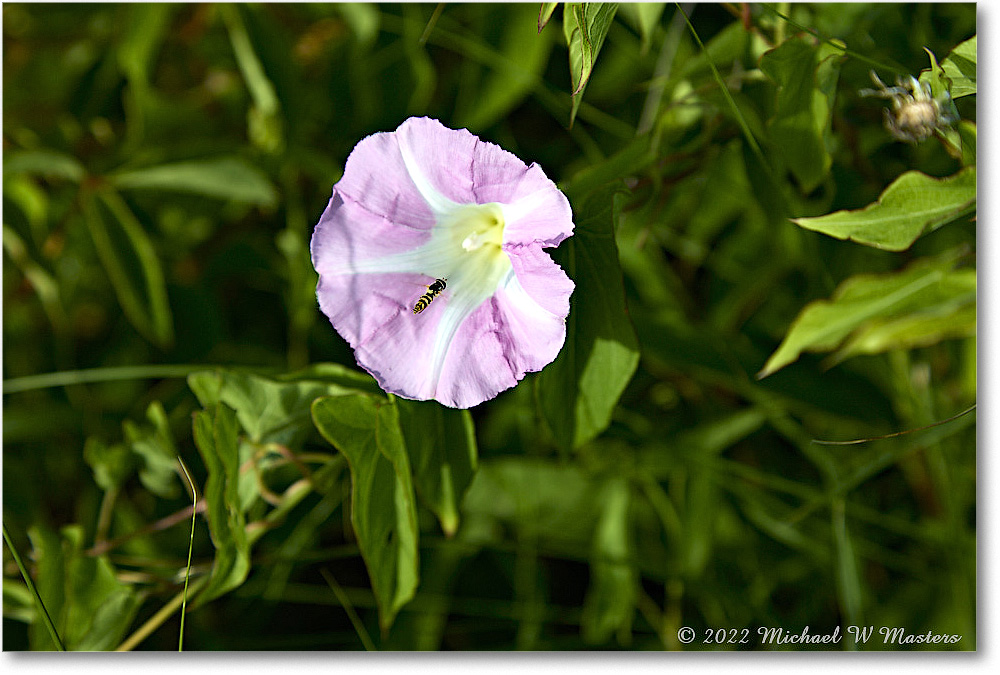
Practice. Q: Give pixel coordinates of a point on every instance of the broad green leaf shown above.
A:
(913, 205)
(504, 89)
(90, 607)
(155, 446)
(383, 509)
(216, 436)
(823, 325)
(224, 178)
(945, 321)
(132, 265)
(48, 163)
(545, 11)
(960, 68)
(806, 75)
(579, 390)
(614, 581)
(585, 26)
(441, 444)
(276, 409)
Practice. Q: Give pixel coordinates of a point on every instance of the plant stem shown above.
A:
(157, 619)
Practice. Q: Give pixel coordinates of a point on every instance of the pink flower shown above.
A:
(434, 216)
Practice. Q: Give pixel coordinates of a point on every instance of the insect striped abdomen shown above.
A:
(432, 292)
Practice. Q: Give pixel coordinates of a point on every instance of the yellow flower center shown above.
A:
(475, 234)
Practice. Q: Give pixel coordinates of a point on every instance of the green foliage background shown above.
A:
(163, 168)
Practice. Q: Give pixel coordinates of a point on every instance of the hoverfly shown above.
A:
(432, 292)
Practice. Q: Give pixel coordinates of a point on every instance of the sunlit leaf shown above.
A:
(216, 436)
(960, 68)
(922, 288)
(383, 509)
(224, 178)
(579, 390)
(441, 444)
(914, 204)
(276, 409)
(585, 26)
(545, 11)
(933, 324)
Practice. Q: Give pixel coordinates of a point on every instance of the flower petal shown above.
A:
(534, 208)
(350, 239)
(427, 202)
(535, 303)
(374, 313)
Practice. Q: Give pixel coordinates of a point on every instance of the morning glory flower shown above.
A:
(432, 265)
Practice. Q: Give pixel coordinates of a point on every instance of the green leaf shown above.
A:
(614, 581)
(155, 446)
(132, 265)
(914, 204)
(111, 464)
(90, 607)
(960, 68)
(849, 586)
(276, 409)
(264, 121)
(806, 76)
(585, 26)
(645, 16)
(545, 11)
(146, 30)
(544, 500)
(363, 19)
(967, 134)
(441, 444)
(922, 288)
(224, 178)
(48, 163)
(216, 436)
(503, 90)
(944, 321)
(579, 390)
(383, 509)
